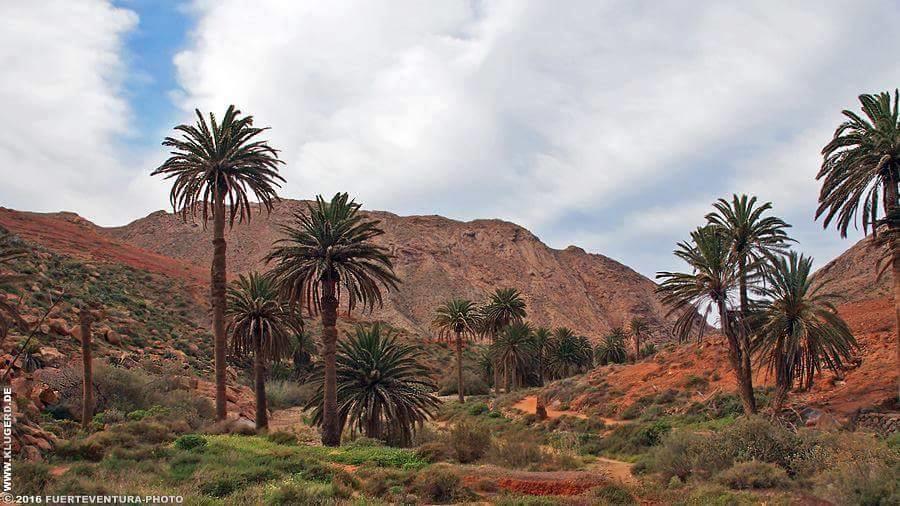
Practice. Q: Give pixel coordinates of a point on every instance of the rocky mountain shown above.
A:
(854, 274)
(438, 258)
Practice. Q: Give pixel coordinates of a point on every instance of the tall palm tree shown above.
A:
(329, 252)
(504, 307)
(541, 338)
(513, 349)
(213, 164)
(612, 349)
(259, 324)
(861, 172)
(383, 386)
(797, 326)
(638, 328)
(708, 287)
(753, 237)
(461, 318)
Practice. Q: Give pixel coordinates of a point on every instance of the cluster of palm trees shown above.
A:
(518, 353)
(791, 326)
(326, 255)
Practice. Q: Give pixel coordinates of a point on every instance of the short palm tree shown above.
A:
(797, 328)
(504, 307)
(460, 318)
(217, 168)
(327, 253)
(512, 350)
(259, 324)
(861, 172)
(567, 353)
(302, 349)
(612, 349)
(709, 287)
(541, 338)
(383, 387)
(638, 328)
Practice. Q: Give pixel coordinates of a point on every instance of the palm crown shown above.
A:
(798, 327)
(456, 316)
(258, 318)
(505, 306)
(332, 243)
(224, 160)
(861, 166)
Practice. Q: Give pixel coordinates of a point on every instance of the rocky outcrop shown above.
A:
(438, 258)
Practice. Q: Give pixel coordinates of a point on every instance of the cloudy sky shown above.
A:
(608, 124)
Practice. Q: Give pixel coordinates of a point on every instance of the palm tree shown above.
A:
(259, 324)
(709, 286)
(860, 167)
(567, 353)
(541, 338)
(213, 164)
(461, 318)
(612, 349)
(327, 253)
(638, 328)
(753, 237)
(302, 348)
(505, 306)
(383, 387)
(513, 349)
(797, 327)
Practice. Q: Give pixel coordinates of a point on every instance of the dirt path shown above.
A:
(529, 405)
(291, 420)
(615, 469)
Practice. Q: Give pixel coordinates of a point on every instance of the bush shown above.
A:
(613, 495)
(293, 492)
(191, 442)
(81, 449)
(30, 478)
(433, 451)
(440, 485)
(753, 474)
(635, 438)
(473, 384)
(516, 452)
(469, 441)
(676, 456)
(283, 394)
(282, 438)
(478, 408)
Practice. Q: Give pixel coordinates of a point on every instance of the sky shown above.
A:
(611, 125)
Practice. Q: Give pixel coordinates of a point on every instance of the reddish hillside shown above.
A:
(70, 235)
(854, 274)
(438, 258)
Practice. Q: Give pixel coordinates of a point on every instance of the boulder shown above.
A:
(31, 453)
(112, 337)
(59, 326)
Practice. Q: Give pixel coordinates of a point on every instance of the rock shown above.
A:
(31, 453)
(47, 395)
(51, 356)
(59, 326)
(112, 337)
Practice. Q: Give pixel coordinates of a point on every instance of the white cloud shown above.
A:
(63, 110)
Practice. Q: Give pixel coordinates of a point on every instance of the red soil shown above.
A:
(872, 383)
(68, 234)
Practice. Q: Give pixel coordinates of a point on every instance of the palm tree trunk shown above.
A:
(331, 430)
(891, 203)
(217, 288)
(87, 372)
(541, 365)
(637, 347)
(743, 375)
(259, 373)
(459, 371)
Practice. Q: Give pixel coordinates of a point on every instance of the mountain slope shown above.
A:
(854, 274)
(437, 258)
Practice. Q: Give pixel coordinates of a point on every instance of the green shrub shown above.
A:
(469, 441)
(866, 482)
(473, 384)
(440, 485)
(634, 438)
(753, 474)
(613, 495)
(282, 438)
(221, 487)
(191, 442)
(283, 394)
(478, 408)
(80, 449)
(433, 451)
(516, 451)
(30, 478)
(676, 457)
(291, 493)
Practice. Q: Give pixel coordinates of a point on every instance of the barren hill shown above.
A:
(854, 274)
(438, 258)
